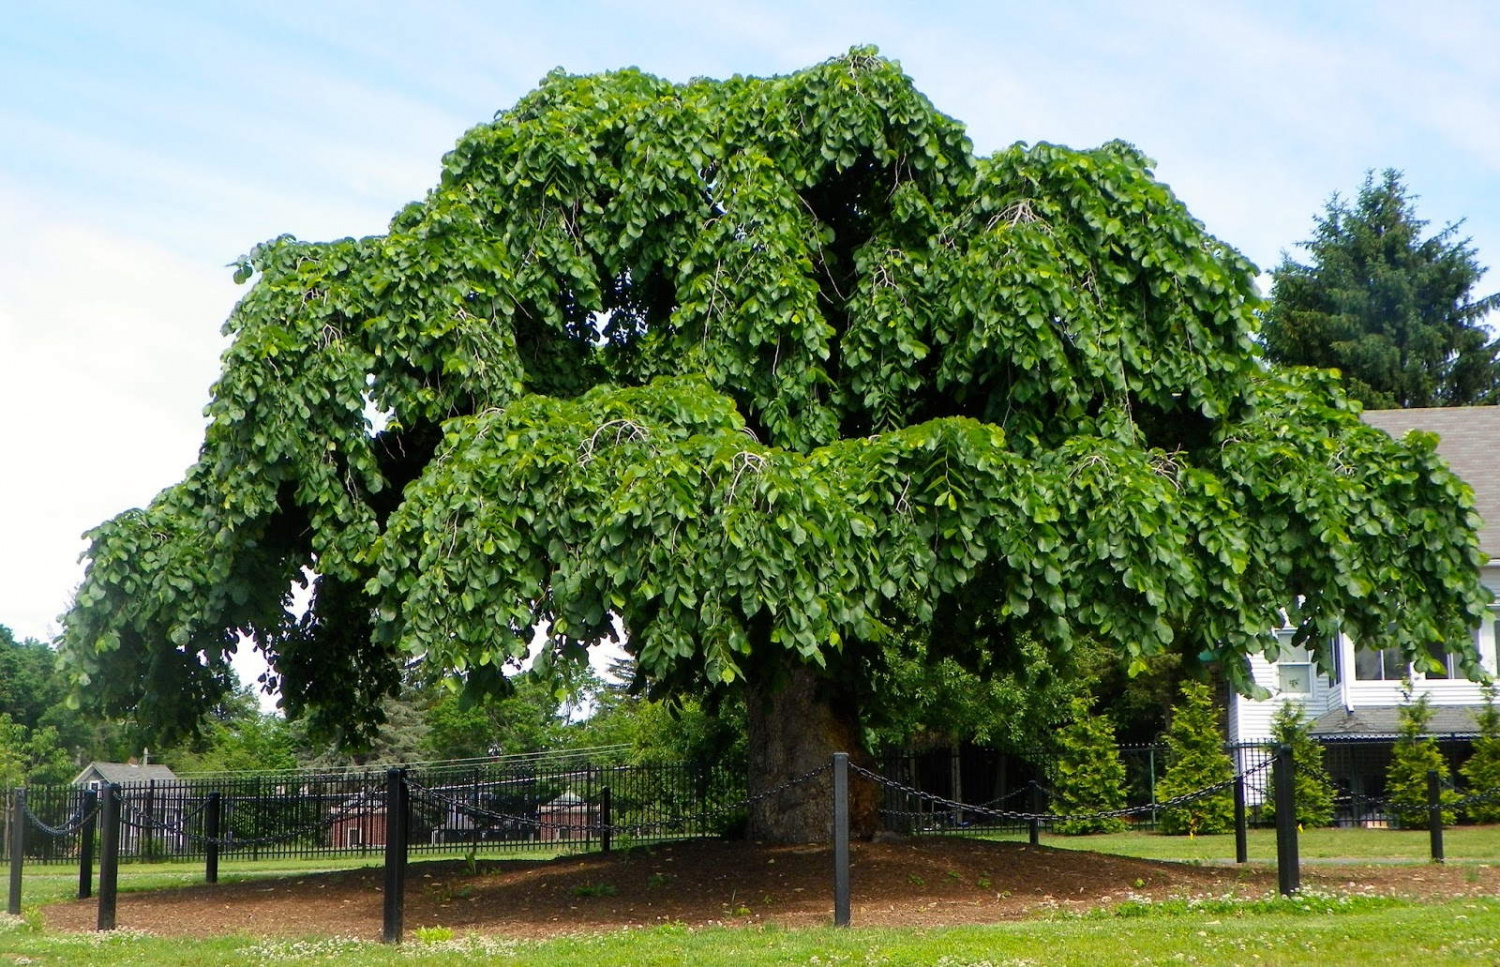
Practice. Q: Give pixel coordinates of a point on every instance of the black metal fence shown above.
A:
(491, 807)
(553, 805)
(1020, 783)
(1007, 783)
(393, 813)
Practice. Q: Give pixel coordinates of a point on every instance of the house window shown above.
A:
(1379, 665)
(1295, 678)
(1449, 666)
(1294, 668)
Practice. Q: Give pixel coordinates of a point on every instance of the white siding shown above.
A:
(1250, 720)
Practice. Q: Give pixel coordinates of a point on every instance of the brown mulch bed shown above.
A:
(921, 882)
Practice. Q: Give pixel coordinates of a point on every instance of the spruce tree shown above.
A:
(1087, 775)
(1312, 789)
(1482, 771)
(1416, 754)
(1196, 760)
(1395, 312)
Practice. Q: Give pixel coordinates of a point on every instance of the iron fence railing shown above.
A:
(479, 807)
(567, 803)
(1018, 782)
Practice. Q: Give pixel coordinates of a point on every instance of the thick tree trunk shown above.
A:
(794, 728)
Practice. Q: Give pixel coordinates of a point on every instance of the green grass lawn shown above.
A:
(1304, 930)
(49, 883)
(1316, 931)
(1460, 844)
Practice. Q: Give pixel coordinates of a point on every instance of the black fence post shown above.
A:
(147, 832)
(86, 845)
(109, 856)
(841, 839)
(1036, 812)
(474, 825)
(606, 834)
(260, 821)
(1288, 871)
(1435, 814)
(17, 850)
(1151, 782)
(212, 823)
(1241, 836)
(395, 854)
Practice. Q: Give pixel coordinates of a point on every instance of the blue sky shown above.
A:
(145, 145)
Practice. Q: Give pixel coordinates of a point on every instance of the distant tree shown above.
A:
(530, 719)
(1312, 789)
(671, 730)
(1394, 311)
(1087, 774)
(239, 738)
(31, 756)
(400, 739)
(1482, 771)
(1416, 753)
(925, 699)
(29, 681)
(1196, 760)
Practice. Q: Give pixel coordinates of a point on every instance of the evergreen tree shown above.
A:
(1312, 789)
(1196, 760)
(1087, 775)
(1416, 754)
(1394, 311)
(1482, 771)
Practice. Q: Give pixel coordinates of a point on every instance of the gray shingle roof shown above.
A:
(1383, 721)
(1469, 439)
(124, 773)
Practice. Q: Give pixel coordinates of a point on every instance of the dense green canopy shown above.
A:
(755, 367)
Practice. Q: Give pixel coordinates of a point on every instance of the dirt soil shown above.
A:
(920, 882)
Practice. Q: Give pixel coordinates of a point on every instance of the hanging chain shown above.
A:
(69, 826)
(139, 819)
(629, 829)
(1026, 817)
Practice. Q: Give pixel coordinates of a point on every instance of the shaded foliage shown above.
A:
(922, 698)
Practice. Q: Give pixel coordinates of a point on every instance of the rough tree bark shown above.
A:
(795, 726)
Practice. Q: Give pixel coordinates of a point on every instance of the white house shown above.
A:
(1353, 711)
(154, 798)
